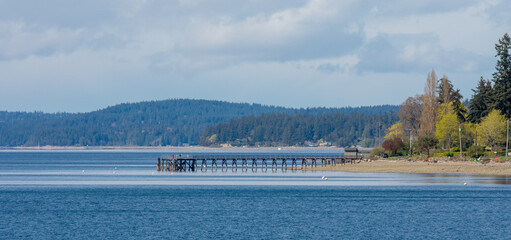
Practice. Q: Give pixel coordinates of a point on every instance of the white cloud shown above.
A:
(104, 50)
(423, 52)
(20, 40)
(468, 28)
(276, 28)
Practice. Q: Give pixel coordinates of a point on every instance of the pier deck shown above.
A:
(224, 161)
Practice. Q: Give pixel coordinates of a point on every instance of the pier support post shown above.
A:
(224, 162)
(182, 165)
(254, 163)
(244, 165)
(274, 163)
(194, 165)
(158, 165)
(284, 165)
(234, 165)
(213, 163)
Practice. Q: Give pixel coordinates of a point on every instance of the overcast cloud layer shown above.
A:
(80, 56)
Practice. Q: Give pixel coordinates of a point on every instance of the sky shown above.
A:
(80, 56)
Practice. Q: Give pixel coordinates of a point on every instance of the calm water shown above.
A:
(118, 195)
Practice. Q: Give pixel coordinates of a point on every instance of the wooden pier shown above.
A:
(224, 162)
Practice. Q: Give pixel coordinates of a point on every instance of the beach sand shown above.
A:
(405, 166)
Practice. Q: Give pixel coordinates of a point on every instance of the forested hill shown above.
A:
(338, 129)
(154, 123)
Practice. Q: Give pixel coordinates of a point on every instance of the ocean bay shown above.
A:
(118, 195)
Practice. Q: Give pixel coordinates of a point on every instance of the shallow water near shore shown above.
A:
(119, 195)
(139, 168)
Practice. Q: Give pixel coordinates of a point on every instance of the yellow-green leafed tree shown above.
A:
(394, 131)
(447, 128)
(213, 138)
(492, 129)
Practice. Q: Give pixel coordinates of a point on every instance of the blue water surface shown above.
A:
(118, 195)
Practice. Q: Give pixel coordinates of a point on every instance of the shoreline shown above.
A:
(414, 167)
(489, 168)
(165, 148)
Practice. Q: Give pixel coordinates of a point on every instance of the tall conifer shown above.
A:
(480, 104)
(502, 77)
(447, 94)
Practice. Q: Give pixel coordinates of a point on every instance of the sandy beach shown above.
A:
(405, 166)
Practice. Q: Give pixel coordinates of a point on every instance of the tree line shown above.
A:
(439, 119)
(337, 129)
(174, 122)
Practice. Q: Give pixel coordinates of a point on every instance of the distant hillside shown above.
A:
(169, 122)
(337, 129)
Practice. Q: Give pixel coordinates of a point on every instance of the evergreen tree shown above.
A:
(447, 94)
(443, 95)
(502, 77)
(480, 104)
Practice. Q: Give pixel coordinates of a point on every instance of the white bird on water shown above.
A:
(323, 177)
(465, 184)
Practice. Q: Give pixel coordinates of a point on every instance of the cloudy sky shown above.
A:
(76, 56)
